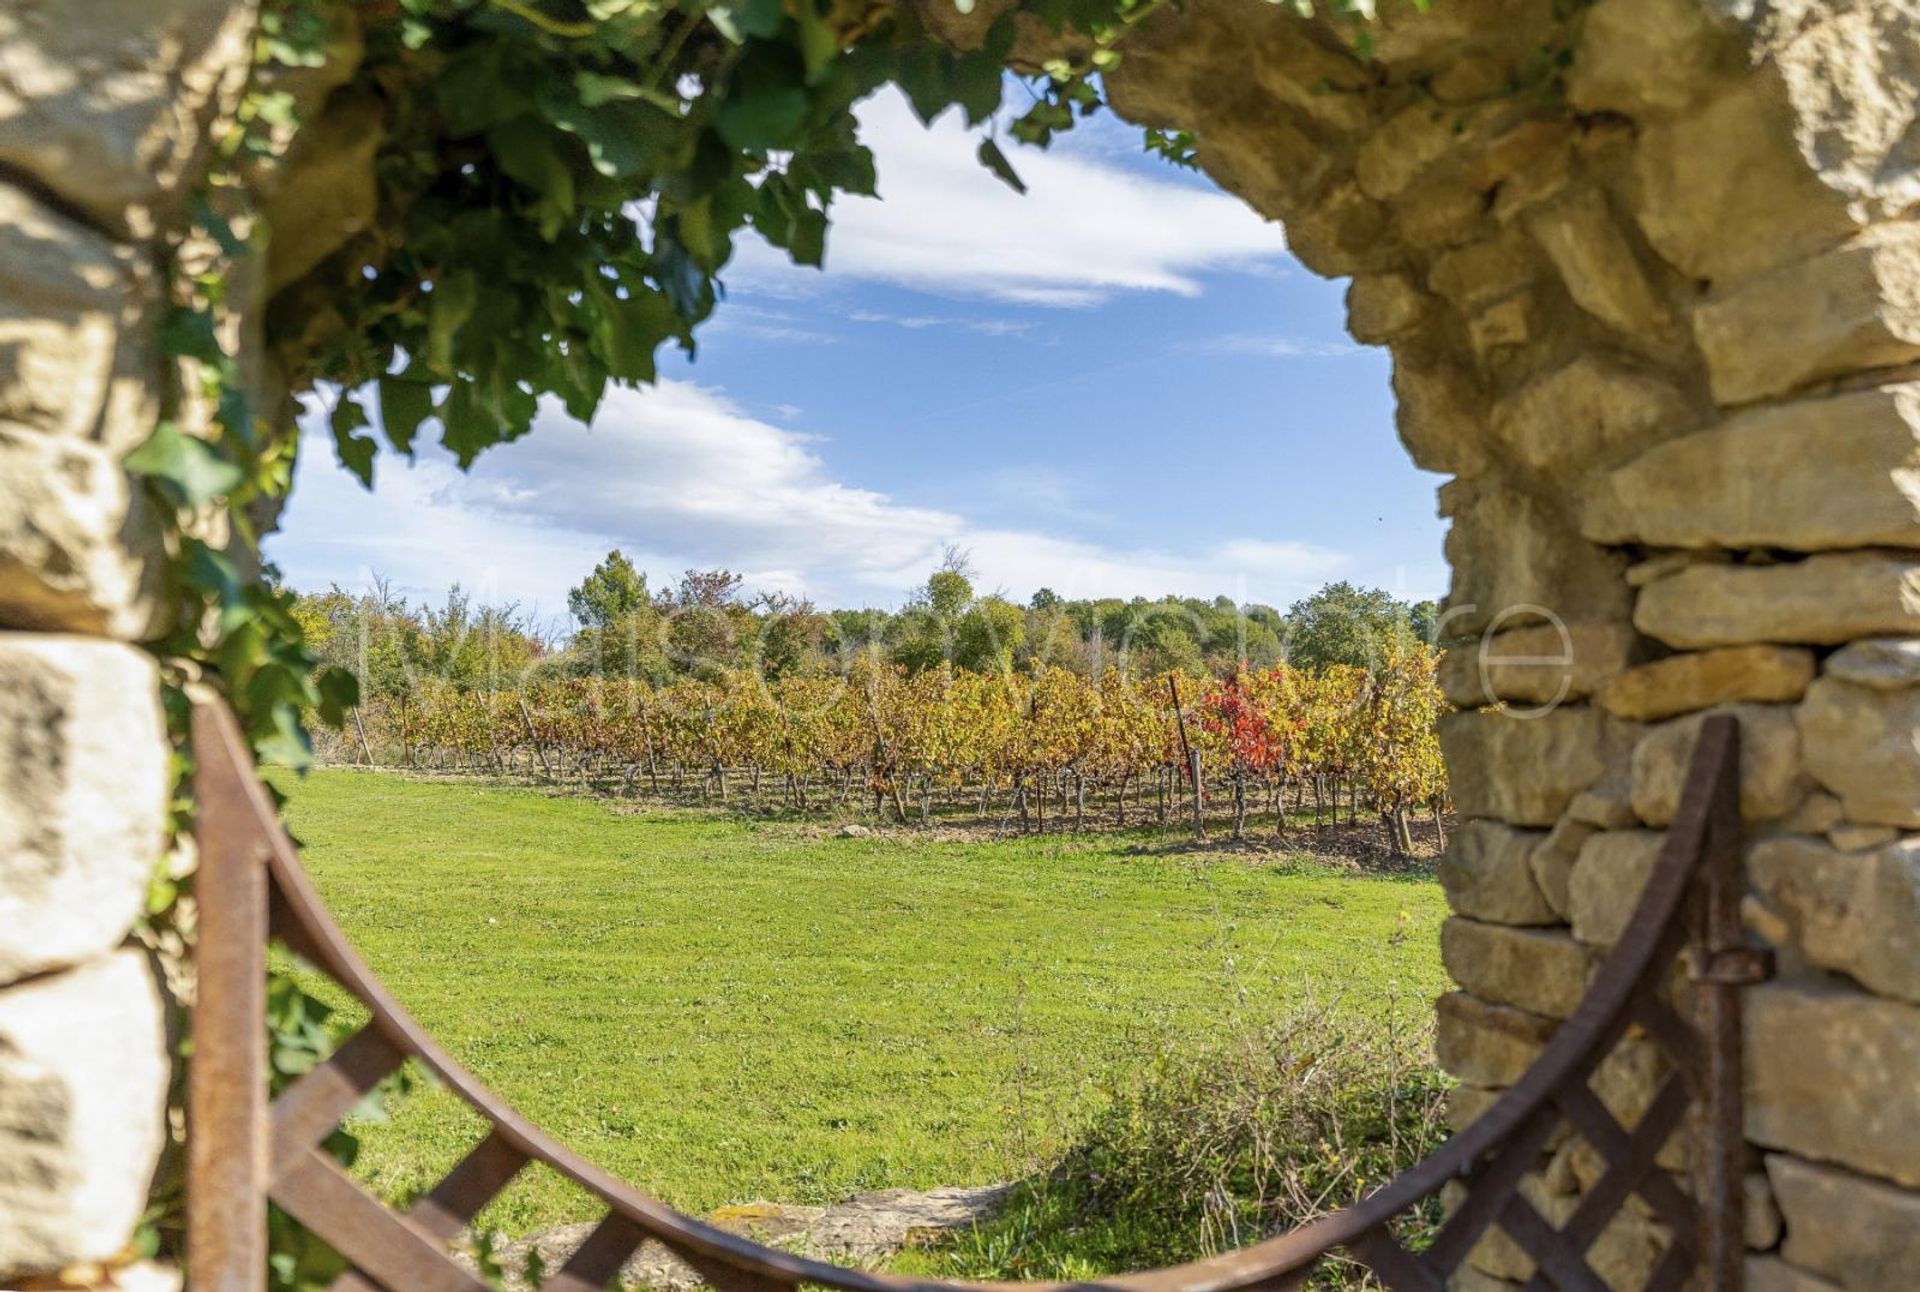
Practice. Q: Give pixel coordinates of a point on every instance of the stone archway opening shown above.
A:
(1653, 298)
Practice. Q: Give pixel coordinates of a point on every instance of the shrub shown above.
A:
(1203, 1147)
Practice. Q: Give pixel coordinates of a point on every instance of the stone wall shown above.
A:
(104, 109)
(1658, 322)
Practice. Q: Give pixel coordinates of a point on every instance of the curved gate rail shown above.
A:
(243, 1152)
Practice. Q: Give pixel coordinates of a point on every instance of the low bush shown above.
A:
(1200, 1147)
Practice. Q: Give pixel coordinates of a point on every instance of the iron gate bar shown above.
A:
(241, 1152)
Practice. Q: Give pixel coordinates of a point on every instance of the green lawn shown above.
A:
(720, 1010)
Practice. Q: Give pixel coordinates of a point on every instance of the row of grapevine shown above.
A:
(935, 741)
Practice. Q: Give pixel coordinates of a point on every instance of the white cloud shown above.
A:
(1273, 347)
(919, 322)
(678, 476)
(1086, 228)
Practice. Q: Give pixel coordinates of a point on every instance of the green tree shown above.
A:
(610, 593)
(1344, 624)
(988, 635)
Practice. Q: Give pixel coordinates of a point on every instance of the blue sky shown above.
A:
(1118, 384)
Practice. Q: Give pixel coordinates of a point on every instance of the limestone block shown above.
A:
(1771, 1274)
(1763, 1223)
(1858, 913)
(1597, 263)
(1512, 549)
(83, 792)
(1863, 1234)
(1837, 471)
(1826, 599)
(1487, 1045)
(1592, 411)
(1818, 813)
(1830, 1077)
(1486, 875)
(1399, 149)
(83, 1086)
(104, 100)
(1381, 307)
(1848, 310)
(1651, 57)
(1536, 664)
(1542, 972)
(1850, 837)
(80, 548)
(1884, 663)
(1734, 158)
(1851, 78)
(1612, 868)
(1503, 326)
(1522, 770)
(77, 358)
(1773, 779)
(1552, 859)
(1864, 745)
(325, 194)
(1478, 274)
(1703, 679)
(1438, 410)
(1603, 811)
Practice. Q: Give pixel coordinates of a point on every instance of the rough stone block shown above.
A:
(83, 1082)
(1703, 679)
(1849, 310)
(1605, 885)
(1514, 551)
(1771, 1274)
(1830, 1077)
(1551, 860)
(1833, 472)
(80, 549)
(1858, 913)
(1864, 745)
(1540, 971)
(1381, 307)
(83, 793)
(1824, 600)
(1537, 664)
(105, 101)
(1651, 57)
(1863, 1234)
(1487, 1045)
(1486, 874)
(1523, 770)
(1593, 411)
(1773, 780)
(1883, 663)
(1734, 153)
(1597, 263)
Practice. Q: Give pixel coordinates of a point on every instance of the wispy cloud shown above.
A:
(919, 322)
(742, 319)
(680, 476)
(1087, 228)
(1273, 347)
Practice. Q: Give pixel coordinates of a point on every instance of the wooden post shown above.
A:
(534, 736)
(227, 1082)
(1193, 763)
(365, 749)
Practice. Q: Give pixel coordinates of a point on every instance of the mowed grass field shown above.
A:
(720, 1009)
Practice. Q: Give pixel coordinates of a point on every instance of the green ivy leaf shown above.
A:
(191, 469)
(404, 403)
(354, 449)
(451, 305)
(996, 161)
(763, 116)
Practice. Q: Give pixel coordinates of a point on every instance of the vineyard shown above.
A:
(1049, 745)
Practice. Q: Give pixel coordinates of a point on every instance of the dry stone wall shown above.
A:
(105, 107)
(1658, 316)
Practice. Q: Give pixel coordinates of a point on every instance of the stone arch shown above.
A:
(1648, 276)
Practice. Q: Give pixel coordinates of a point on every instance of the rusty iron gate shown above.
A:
(243, 1151)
